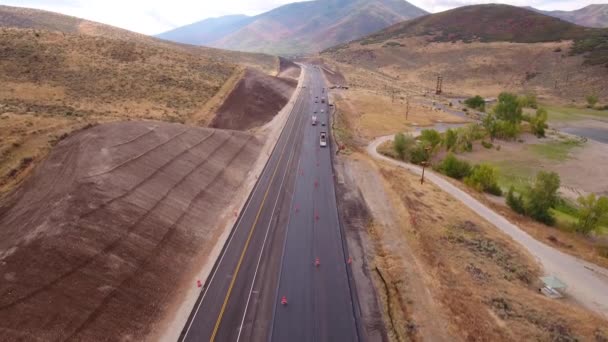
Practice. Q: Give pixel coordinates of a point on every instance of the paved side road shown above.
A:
(587, 282)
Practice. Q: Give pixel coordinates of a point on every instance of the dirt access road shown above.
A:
(587, 283)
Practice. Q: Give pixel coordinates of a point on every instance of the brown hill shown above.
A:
(482, 49)
(110, 232)
(594, 15)
(485, 23)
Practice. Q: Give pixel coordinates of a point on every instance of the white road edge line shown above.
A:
(238, 224)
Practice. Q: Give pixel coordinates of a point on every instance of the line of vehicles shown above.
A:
(315, 120)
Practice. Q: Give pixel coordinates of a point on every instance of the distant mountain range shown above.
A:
(590, 16)
(485, 23)
(297, 28)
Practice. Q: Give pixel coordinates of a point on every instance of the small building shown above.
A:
(552, 287)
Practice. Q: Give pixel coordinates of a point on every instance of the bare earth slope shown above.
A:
(110, 226)
(255, 100)
(289, 69)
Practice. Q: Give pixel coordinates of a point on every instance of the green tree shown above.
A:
(515, 202)
(491, 126)
(454, 167)
(430, 137)
(508, 108)
(592, 100)
(529, 101)
(543, 196)
(484, 178)
(539, 122)
(592, 210)
(451, 138)
(400, 145)
(476, 102)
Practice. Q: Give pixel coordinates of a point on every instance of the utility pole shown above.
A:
(439, 90)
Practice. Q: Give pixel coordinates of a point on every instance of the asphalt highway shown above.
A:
(289, 222)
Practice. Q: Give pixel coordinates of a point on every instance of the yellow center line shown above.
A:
(238, 266)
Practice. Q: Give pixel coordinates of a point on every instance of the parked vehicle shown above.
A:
(314, 120)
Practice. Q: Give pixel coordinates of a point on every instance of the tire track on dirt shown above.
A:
(116, 242)
(134, 139)
(146, 179)
(140, 268)
(132, 159)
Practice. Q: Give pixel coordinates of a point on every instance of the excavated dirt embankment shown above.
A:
(96, 244)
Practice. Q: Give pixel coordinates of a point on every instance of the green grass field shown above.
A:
(567, 113)
(556, 150)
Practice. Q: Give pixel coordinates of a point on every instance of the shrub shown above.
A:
(591, 100)
(400, 146)
(451, 138)
(508, 108)
(454, 167)
(542, 196)
(419, 154)
(539, 123)
(515, 202)
(528, 100)
(430, 137)
(507, 130)
(487, 145)
(476, 102)
(484, 178)
(592, 211)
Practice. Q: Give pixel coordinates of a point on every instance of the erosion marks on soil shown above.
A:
(114, 249)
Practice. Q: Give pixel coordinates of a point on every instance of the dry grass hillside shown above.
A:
(483, 50)
(60, 73)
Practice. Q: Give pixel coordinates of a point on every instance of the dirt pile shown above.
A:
(288, 69)
(111, 227)
(255, 100)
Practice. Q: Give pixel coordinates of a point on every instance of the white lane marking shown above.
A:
(255, 275)
(238, 224)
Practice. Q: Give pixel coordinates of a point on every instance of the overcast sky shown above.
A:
(156, 16)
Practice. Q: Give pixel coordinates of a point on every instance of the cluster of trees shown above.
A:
(538, 199)
(482, 177)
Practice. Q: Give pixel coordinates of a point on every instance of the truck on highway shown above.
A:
(314, 120)
(323, 139)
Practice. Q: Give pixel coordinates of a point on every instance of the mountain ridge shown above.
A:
(306, 27)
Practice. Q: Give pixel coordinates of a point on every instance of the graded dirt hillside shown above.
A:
(482, 49)
(308, 26)
(110, 231)
(255, 100)
(595, 15)
(57, 77)
(289, 69)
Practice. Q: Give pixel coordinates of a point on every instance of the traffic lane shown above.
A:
(261, 294)
(322, 309)
(239, 296)
(214, 294)
(237, 303)
(292, 322)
